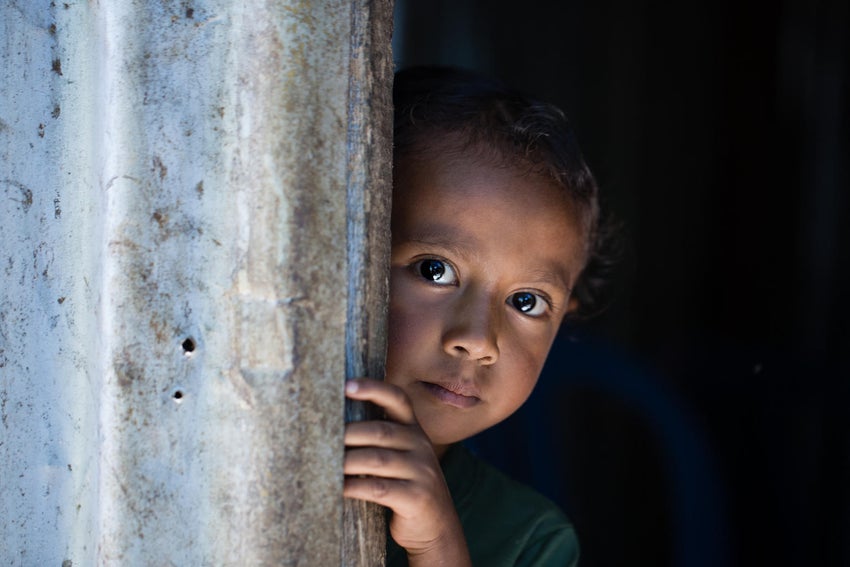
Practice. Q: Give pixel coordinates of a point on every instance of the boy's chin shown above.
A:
(445, 439)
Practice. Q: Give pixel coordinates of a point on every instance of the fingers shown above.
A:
(391, 398)
(406, 498)
(383, 491)
(391, 462)
(384, 463)
(386, 434)
(387, 449)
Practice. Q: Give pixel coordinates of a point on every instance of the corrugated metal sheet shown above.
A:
(175, 275)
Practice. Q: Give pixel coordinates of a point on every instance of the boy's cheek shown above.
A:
(408, 329)
(414, 332)
(410, 302)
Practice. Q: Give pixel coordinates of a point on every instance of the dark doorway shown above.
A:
(703, 418)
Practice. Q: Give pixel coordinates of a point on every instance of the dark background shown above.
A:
(704, 418)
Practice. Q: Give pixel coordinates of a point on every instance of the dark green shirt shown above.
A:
(505, 523)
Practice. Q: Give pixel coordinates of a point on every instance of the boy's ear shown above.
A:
(572, 305)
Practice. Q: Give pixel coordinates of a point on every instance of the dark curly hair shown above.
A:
(442, 103)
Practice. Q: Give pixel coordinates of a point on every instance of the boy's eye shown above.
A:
(528, 303)
(437, 271)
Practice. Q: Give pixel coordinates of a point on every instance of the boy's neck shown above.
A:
(440, 450)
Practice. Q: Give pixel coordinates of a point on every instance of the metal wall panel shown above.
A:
(177, 187)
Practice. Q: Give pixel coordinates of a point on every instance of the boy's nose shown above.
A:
(472, 330)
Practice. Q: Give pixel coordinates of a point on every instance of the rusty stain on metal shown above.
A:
(178, 238)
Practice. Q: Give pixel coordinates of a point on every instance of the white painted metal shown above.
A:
(174, 281)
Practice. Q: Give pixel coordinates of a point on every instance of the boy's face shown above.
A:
(483, 260)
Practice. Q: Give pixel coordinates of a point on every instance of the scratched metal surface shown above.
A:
(369, 190)
(174, 278)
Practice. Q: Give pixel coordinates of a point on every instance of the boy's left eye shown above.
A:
(528, 303)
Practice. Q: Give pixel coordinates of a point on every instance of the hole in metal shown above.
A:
(188, 345)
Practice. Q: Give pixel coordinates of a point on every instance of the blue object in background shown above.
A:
(533, 446)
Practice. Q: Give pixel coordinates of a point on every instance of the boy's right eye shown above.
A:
(436, 271)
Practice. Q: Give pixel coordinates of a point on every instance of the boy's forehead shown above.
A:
(449, 157)
(472, 177)
(471, 207)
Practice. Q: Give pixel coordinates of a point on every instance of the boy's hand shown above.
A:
(402, 472)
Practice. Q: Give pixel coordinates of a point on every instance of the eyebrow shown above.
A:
(448, 238)
(554, 278)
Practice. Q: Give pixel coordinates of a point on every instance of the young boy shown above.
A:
(494, 221)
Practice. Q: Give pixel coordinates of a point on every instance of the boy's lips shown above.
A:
(458, 395)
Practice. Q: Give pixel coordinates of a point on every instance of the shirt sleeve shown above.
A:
(557, 548)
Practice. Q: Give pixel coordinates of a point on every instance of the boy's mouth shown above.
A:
(455, 395)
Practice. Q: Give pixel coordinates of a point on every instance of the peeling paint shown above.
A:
(159, 167)
(25, 194)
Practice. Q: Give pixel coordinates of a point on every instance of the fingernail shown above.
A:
(351, 387)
